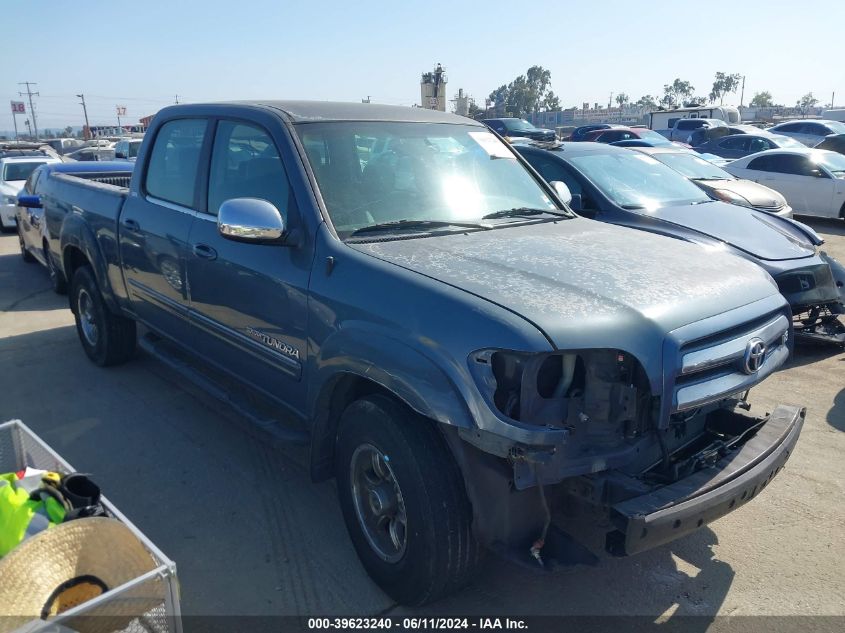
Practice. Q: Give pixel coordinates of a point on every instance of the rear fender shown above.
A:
(77, 235)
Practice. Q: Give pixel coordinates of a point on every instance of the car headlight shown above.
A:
(732, 198)
(602, 392)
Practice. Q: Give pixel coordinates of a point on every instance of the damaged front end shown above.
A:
(608, 435)
(817, 296)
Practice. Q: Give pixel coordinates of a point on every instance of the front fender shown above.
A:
(76, 234)
(418, 372)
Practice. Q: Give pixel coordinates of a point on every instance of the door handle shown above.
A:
(131, 225)
(204, 251)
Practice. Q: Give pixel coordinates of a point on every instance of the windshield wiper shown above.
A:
(522, 211)
(401, 225)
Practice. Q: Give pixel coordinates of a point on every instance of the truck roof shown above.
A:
(314, 111)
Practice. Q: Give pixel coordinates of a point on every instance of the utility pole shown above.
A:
(832, 97)
(118, 116)
(742, 94)
(177, 99)
(28, 128)
(29, 94)
(610, 100)
(87, 131)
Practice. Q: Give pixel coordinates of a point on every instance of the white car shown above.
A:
(811, 180)
(808, 131)
(15, 168)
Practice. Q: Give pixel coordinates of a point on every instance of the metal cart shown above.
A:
(157, 590)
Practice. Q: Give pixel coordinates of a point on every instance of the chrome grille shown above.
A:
(712, 367)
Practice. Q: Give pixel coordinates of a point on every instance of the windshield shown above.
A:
(516, 125)
(833, 161)
(19, 171)
(133, 149)
(692, 166)
(786, 141)
(651, 135)
(634, 180)
(375, 172)
(836, 126)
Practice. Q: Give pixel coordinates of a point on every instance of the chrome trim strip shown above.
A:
(163, 301)
(253, 347)
(170, 205)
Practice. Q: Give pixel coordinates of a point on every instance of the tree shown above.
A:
(527, 93)
(622, 99)
(806, 102)
(474, 111)
(68, 131)
(677, 92)
(762, 100)
(723, 85)
(646, 101)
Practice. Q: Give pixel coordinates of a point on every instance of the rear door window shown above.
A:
(735, 142)
(174, 161)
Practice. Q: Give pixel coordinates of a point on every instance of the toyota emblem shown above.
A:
(755, 354)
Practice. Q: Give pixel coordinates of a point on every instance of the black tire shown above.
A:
(25, 254)
(440, 552)
(112, 339)
(57, 279)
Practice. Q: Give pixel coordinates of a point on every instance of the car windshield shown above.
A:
(786, 141)
(651, 135)
(636, 181)
(517, 125)
(373, 173)
(694, 167)
(833, 161)
(19, 171)
(133, 149)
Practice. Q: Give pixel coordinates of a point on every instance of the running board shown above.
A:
(212, 382)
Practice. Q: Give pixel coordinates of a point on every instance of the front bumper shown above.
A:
(677, 509)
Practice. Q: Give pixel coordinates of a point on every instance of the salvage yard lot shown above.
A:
(251, 535)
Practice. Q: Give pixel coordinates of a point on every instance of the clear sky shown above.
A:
(141, 54)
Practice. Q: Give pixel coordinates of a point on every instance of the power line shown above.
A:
(29, 94)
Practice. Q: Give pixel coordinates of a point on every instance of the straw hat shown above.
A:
(72, 563)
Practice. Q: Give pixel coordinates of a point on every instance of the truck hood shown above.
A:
(757, 195)
(755, 232)
(585, 281)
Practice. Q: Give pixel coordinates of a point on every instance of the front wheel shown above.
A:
(403, 502)
(108, 339)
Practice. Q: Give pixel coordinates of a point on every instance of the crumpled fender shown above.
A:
(838, 271)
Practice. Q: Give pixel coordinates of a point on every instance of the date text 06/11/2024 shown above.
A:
(415, 624)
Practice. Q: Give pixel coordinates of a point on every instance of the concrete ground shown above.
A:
(252, 535)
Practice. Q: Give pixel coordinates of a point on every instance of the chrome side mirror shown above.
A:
(250, 220)
(562, 191)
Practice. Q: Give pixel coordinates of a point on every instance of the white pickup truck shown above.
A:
(686, 130)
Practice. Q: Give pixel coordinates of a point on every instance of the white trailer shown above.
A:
(665, 119)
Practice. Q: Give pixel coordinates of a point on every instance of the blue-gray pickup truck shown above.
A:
(476, 365)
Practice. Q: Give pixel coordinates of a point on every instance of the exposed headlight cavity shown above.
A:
(602, 393)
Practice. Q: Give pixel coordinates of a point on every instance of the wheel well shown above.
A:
(73, 258)
(334, 398)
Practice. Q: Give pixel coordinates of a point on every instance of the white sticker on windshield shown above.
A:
(490, 144)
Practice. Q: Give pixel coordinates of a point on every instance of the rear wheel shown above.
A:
(108, 339)
(403, 501)
(25, 254)
(57, 280)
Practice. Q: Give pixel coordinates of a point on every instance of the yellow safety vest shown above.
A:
(23, 515)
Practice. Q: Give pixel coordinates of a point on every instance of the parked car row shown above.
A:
(463, 353)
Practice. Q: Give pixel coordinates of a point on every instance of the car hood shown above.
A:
(583, 280)
(758, 195)
(756, 233)
(11, 187)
